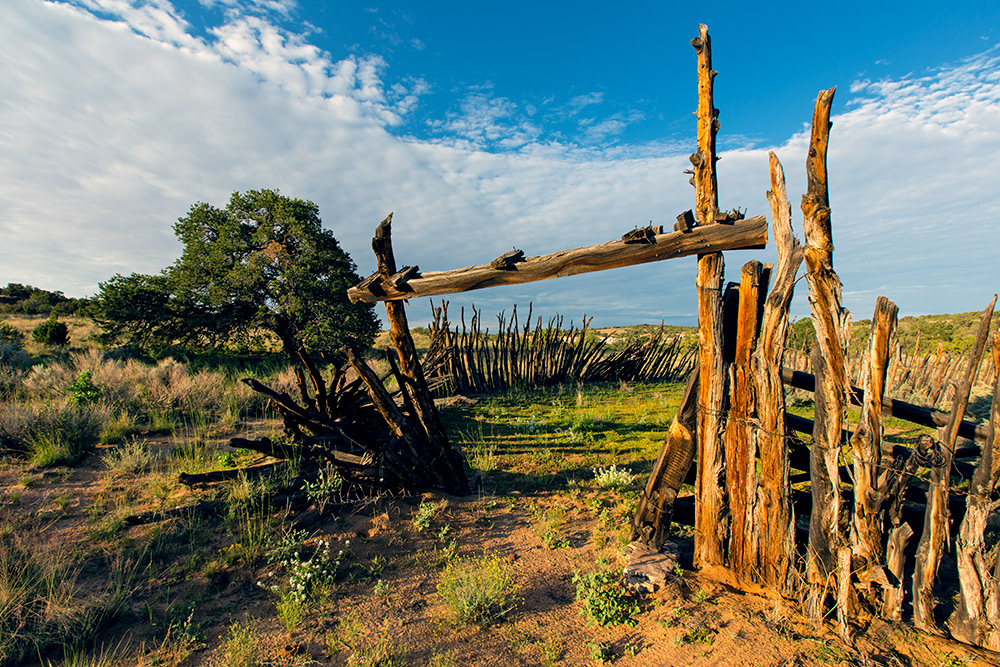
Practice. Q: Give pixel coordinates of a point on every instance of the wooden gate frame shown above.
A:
(733, 409)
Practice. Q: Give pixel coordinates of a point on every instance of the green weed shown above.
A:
(478, 590)
(604, 597)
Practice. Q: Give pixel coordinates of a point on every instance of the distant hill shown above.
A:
(917, 334)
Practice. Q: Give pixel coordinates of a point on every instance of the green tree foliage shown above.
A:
(262, 266)
(11, 336)
(28, 300)
(51, 332)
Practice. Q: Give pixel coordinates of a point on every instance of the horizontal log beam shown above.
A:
(915, 414)
(748, 233)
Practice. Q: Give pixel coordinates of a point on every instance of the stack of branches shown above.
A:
(346, 418)
(374, 436)
(470, 359)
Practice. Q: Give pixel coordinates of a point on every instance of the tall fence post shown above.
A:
(710, 527)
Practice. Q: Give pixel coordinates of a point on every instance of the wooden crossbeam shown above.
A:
(740, 234)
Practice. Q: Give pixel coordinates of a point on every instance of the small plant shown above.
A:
(383, 651)
(548, 527)
(478, 590)
(699, 634)
(321, 489)
(240, 648)
(600, 652)
(28, 481)
(131, 458)
(702, 597)
(550, 653)
(425, 514)
(310, 581)
(612, 477)
(83, 391)
(605, 599)
(51, 332)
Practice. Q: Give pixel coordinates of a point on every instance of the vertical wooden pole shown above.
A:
(741, 463)
(775, 523)
(830, 319)
(974, 621)
(866, 443)
(935, 533)
(710, 526)
(443, 462)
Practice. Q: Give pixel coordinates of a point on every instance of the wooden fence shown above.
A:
(472, 360)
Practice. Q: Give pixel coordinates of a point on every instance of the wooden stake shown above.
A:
(710, 525)
(868, 526)
(651, 523)
(830, 320)
(935, 533)
(974, 621)
(741, 464)
(775, 524)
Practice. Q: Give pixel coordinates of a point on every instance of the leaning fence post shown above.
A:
(935, 533)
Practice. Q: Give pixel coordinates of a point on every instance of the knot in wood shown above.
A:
(697, 159)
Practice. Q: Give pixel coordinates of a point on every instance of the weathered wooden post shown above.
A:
(775, 546)
(868, 524)
(977, 618)
(830, 319)
(741, 464)
(935, 533)
(710, 522)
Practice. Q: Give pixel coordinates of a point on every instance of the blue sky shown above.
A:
(490, 125)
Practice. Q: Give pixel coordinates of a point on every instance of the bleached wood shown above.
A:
(748, 233)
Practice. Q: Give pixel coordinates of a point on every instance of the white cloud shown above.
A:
(110, 130)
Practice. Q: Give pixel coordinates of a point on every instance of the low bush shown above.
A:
(605, 599)
(478, 590)
(51, 332)
(11, 336)
(52, 434)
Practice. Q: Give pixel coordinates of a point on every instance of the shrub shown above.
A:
(83, 391)
(51, 332)
(131, 458)
(612, 477)
(51, 434)
(478, 590)
(605, 599)
(11, 336)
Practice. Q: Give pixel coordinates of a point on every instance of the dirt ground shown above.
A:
(385, 608)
